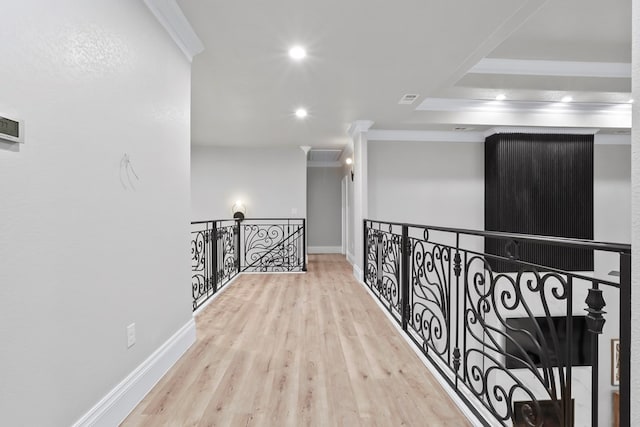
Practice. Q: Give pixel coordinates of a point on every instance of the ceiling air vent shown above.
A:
(409, 98)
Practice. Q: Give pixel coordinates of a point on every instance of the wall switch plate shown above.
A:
(131, 335)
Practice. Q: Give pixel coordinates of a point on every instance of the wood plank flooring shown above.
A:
(297, 350)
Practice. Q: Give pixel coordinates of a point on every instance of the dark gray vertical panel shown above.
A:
(540, 184)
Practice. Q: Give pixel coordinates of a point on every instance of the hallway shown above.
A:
(294, 350)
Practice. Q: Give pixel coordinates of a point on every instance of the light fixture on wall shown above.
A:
(349, 161)
(238, 210)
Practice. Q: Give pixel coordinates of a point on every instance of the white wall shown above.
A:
(271, 182)
(430, 183)
(324, 207)
(81, 256)
(635, 215)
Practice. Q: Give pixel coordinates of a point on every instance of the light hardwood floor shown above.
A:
(297, 350)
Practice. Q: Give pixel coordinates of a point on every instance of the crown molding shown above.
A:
(171, 17)
(479, 137)
(424, 136)
(541, 130)
(529, 67)
(463, 105)
(359, 126)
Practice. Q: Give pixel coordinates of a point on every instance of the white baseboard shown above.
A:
(351, 258)
(357, 272)
(120, 401)
(324, 249)
(457, 400)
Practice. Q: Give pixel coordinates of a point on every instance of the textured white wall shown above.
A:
(271, 182)
(635, 218)
(324, 206)
(81, 256)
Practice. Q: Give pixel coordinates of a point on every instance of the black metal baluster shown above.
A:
(208, 266)
(365, 252)
(304, 244)
(237, 249)
(465, 285)
(379, 257)
(365, 246)
(625, 340)
(405, 248)
(457, 269)
(595, 323)
(568, 361)
(214, 257)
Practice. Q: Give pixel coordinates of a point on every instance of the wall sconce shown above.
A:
(238, 210)
(349, 161)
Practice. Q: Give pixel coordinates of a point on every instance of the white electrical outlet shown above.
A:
(131, 335)
(294, 211)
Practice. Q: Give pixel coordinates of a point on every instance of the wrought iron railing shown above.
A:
(520, 346)
(221, 249)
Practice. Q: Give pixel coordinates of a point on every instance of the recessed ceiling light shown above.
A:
(297, 53)
(567, 98)
(301, 113)
(501, 97)
(349, 160)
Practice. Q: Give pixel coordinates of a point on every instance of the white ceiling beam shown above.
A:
(530, 67)
(479, 137)
(460, 105)
(170, 16)
(424, 136)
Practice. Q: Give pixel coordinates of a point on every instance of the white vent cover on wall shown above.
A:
(409, 98)
(324, 155)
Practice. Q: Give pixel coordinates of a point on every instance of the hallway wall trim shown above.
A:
(124, 397)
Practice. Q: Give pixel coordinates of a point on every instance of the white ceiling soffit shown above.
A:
(424, 136)
(541, 130)
(479, 137)
(170, 16)
(324, 155)
(528, 67)
(483, 105)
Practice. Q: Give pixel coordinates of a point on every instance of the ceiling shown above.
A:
(364, 55)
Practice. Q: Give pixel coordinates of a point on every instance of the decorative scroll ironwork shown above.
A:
(382, 274)
(430, 294)
(227, 253)
(201, 283)
(490, 299)
(273, 247)
(222, 249)
(493, 335)
(389, 279)
(371, 258)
